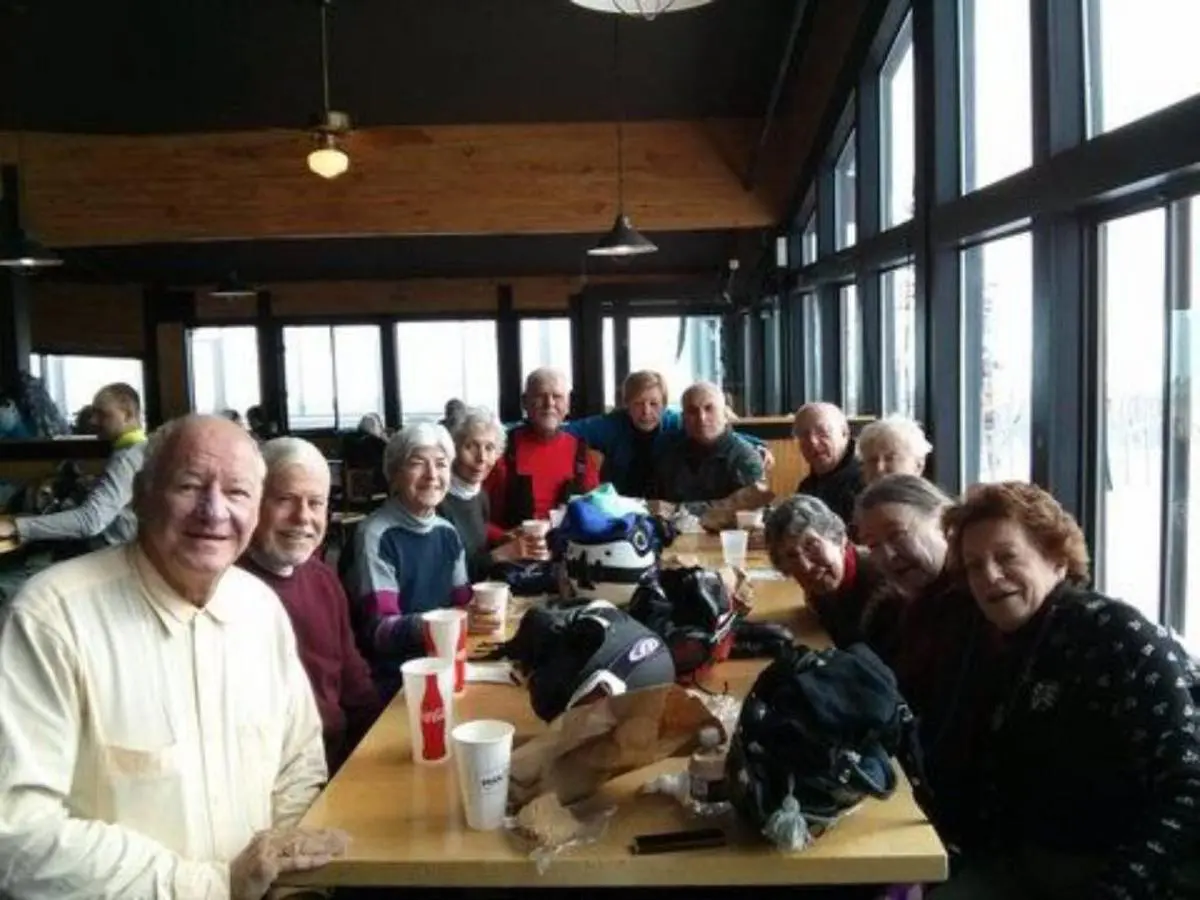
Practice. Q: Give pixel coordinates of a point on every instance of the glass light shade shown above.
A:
(328, 162)
(646, 9)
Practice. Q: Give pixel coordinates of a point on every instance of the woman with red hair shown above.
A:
(1090, 765)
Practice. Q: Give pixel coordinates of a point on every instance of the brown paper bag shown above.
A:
(592, 744)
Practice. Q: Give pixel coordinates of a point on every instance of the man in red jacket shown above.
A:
(542, 465)
(291, 527)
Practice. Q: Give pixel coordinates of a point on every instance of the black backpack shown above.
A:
(690, 609)
(820, 726)
(571, 655)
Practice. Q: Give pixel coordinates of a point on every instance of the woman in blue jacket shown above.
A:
(632, 436)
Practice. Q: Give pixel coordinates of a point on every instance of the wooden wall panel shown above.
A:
(446, 179)
(210, 309)
(381, 298)
(87, 318)
(172, 370)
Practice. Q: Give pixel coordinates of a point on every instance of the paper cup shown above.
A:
(749, 519)
(489, 607)
(429, 696)
(483, 758)
(733, 547)
(446, 638)
(535, 528)
(557, 515)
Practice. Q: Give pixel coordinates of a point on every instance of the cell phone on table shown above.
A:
(677, 841)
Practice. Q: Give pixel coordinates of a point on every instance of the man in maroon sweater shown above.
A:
(291, 526)
(542, 465)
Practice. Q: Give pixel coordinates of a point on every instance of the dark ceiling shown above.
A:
(135, 66)
(697, 252)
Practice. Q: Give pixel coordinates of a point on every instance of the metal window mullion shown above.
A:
(1177, 419)
(333, 365)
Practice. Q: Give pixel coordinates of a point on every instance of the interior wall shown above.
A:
(82, 190)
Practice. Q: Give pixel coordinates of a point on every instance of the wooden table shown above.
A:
(406, 823)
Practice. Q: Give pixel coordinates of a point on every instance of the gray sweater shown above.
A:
(105, 515)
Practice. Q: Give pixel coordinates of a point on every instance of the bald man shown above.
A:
(542, 465)
(159, 734)
(708, 461)
(106, 516)
(835, 472)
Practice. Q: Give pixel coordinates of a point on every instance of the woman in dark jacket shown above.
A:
(1090, 771)
(926, 626)
(807, 541)
(479, 442)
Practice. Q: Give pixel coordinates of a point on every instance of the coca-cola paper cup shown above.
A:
(489, 608)
(483, 757)
(446, 638)
(429, 696)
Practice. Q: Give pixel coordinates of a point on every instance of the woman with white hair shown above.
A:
(892, 446)
(407, 559)
(479, 439)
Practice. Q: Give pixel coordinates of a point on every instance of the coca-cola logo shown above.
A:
(433, 716)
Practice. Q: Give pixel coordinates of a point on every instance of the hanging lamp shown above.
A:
(642, 9)
(622, 239)
(19, 250)
(328, 160)
(232, 288)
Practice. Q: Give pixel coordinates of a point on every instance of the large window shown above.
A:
(684, 349)
(224, 368)
(334, 375)
(808, 241)
(852, 349)
(810, 317)
(997, 105)
(997, 293)
(845, 196)
(899, 300)
(439, 361)
(898, 131)
(1141, 58)
(545, 342)
(72, 381)
(1133, 285)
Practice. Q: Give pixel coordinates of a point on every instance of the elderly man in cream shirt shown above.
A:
(158, 735)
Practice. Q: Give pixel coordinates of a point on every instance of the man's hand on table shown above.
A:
(278, 852)
(8, 528)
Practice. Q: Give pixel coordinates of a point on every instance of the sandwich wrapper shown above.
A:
(554, 775)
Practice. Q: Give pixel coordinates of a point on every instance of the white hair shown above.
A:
(477, 418)
(161, 445)
(900, 430)
(703, 387)
(546, 373)
(409, 440)
(283, 452)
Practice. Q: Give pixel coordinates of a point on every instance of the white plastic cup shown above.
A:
(749, 519)
(733, 547)
(429, 696)
(446, 638)
(489, 601)
(483, 758)
(534, 532)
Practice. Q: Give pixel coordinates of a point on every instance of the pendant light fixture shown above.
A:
(329, 160)
(233, 288)
(19, 251)
(622, 239)
(642, 9)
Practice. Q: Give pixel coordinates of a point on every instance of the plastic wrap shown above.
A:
(548, 829)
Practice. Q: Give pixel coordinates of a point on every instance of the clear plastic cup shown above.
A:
(733, 547)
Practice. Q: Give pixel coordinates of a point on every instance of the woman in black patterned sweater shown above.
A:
(1090, 769)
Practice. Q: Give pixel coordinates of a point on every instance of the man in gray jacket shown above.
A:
(105, 517)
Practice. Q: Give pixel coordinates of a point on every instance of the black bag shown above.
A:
(820, 726)
(690, 609)
(570, 655)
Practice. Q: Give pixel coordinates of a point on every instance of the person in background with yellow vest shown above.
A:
(106, 517)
